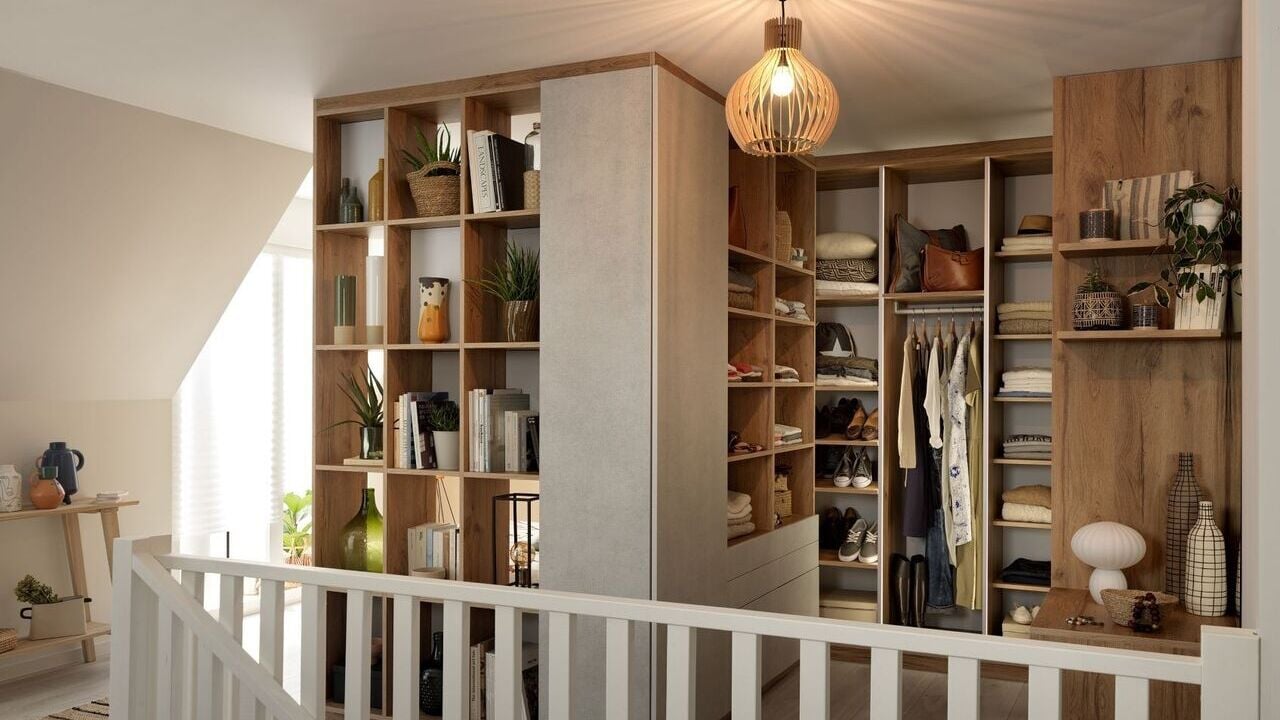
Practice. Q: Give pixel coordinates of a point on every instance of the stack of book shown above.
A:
(481, 700)
(497, 166)
(503, 431)
(414, 447)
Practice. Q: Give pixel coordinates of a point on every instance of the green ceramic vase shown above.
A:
(362, 537)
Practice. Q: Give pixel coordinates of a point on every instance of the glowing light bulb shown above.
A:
(783, 81)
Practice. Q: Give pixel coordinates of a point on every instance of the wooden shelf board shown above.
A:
(1014, 256)
(1107, 248)
(826, 486)
(831, 558)
(528, 346)
(847, 388)
(418, 472)
(750, 314)
(841, 440)
(848, 300)
(793, 321)
(92, 630)
(750, 384)
(936, 297)
(532, 477)
(1019, 461)
(1016, 524)
(786, 268)
(77, 507)
(1000, 398)
(1016, 338)
(351, 468)
(792, 448)
(426, 223)
(738, 457)
(1137, 335)
(360, 229)
(425, 347)
(348, 348)
(749, 255)
(510, 219)
(1018, 587)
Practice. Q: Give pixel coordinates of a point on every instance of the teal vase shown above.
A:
(362, 537)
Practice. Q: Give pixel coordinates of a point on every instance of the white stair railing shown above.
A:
(170, 658)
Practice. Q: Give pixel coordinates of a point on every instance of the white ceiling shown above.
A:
(909, 72)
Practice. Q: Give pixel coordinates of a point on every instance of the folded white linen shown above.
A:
(845, 381)
(738, 501)
(837, 287)
(744, 514)
(1026, 373)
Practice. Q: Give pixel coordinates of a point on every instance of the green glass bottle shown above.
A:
(362, 537)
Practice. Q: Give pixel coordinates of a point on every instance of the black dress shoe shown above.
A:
(822, 423)
(919, 589)
(831, 531)
(900, 590)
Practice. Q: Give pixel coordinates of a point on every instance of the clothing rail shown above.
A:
(939, 310)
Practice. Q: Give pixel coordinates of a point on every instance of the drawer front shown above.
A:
(757, 583)
(798, 597)
(757, 552)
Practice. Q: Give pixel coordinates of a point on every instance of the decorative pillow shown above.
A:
(908, 251)
(1139, 202)
(847, 270)
(846, 246)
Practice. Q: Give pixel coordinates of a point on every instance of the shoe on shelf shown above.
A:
(1035, 611)
(871, 428)
(856, 421)
(822, 422)
(863, 475)
(844, 471)
(853, 542)
(870, 552)
(1022, 615)
(832, 530)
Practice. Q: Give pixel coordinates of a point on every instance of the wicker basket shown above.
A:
(1097, 311)
(438, 194)
(781, 491)
(8, 640)
(782, 236)
(532, 189)
(1119, 603)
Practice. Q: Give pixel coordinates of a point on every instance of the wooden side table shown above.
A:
(1087, 695)
(70, 516)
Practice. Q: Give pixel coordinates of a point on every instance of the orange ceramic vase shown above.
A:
(46, 491)
(433, 317)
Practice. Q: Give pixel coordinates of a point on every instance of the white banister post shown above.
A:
(682, 672)
(886, 684)
(744, 689)
(270, 635)
(964, 688)
(508, 653)
(457, 660)
(315, 625)
(359, 655)
(405, 647)
(1230, 681)
(1044, 693)
(1133, 698)
(231, 617)
(193, 583)
(170, 659)
(617, 669)
(815, 680)
(133, 638)
(561, 634)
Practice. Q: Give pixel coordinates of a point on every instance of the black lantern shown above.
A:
(520, 551)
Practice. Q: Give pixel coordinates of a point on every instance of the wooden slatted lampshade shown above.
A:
(783, 105)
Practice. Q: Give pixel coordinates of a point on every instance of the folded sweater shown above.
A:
(1027, 373)
(1040, 495)
(1016, 512)
(738, 501)
(740, 529)
(1026, 327)
(1027, 572)
(744, 514)
(844, 289)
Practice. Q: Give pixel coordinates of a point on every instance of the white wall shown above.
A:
(126, 232)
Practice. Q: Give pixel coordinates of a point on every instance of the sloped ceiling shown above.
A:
(909, 72)
(126, 232)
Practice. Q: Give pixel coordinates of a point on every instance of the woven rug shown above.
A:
(95, 710)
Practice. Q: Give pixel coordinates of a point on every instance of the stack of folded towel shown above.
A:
(1025, 318)
(793, 309)
(740, 515)
(787, 434)
(1028, 447)
(1042, 242)
(1026, 382)
(739, 372)
(835, 288)
(742, 290)
(785, 373)
(1028, 503)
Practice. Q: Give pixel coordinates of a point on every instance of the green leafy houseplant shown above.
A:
(444, 417)
(514, 278)
(427, 153)
(296, 519)
(33, 592)
(366, 398)
(1193, 244)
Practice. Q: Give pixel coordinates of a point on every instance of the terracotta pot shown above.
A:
(46, 492)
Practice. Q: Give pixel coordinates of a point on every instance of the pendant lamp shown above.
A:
(783, 105)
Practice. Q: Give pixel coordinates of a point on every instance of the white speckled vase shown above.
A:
(10, 489)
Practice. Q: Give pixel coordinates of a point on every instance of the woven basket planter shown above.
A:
(1097, 311)
(1119, 603)
(782, 236)
(435, 195)
(782, 503)
(8, 639)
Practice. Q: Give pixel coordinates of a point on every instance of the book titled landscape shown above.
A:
(497, 166)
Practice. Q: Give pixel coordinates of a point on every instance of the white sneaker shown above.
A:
(853, 542)
(870, 552)
(1022, 615)
(862, 470)
(844, 471)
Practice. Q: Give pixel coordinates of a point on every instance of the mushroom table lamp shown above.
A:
(1108, 547)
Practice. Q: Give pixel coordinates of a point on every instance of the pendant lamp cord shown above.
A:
(782, 25)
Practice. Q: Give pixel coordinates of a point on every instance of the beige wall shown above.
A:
(126, 232)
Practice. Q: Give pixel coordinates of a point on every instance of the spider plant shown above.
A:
(365, 394)
(427, 153)
(514, 278)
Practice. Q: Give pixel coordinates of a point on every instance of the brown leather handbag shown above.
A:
(950, 270)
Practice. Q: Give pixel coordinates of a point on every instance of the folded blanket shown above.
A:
(1039, 495)
(1028, 455)
(1027, 438)
(859, 367)
(743, 514)
(845, 289)
(785, 433)
(846, 381)
(1023, 393)
(1026, 327)
(1036, 448)
(1039, 305)
(741, 279)
(1027, 572)
(737, 501)
(1017, 512)
(1027, 373)
(846, 270)
(783, 372)
(740, 529)
(1027, 315)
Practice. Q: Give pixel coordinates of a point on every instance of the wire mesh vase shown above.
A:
(1206, 572)
(1180, 515)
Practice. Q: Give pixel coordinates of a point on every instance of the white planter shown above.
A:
(10, 489)
(446, 449)
(1206, 214)
(61, 619)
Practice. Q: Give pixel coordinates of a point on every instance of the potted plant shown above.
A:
(1145, 307)
(50, 615)
(1097, 305)
(435, 176)
(443, 418)
(1201, 222)
(365, 395)
(514, 281)
(296, 519)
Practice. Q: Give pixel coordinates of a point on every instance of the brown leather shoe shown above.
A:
(871, 428)
(856, 423)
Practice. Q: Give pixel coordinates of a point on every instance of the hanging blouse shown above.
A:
(933, 395)
(906, 407)
(958, 448)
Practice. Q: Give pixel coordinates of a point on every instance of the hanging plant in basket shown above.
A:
(1097, 305)
(1202, 222)
(436, 178)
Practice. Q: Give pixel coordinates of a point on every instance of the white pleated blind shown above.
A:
(242, 417)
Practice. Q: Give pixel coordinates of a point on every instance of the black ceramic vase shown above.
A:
(431, 689)
(68, 461)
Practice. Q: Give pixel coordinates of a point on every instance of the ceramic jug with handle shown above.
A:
(68, 461)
